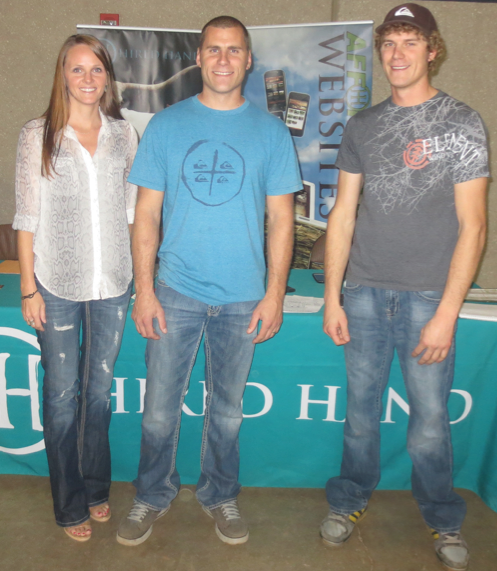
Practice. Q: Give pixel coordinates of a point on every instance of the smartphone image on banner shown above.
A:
(296, 112)
(274, 82)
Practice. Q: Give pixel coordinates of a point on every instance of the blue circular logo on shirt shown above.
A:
(213, 172)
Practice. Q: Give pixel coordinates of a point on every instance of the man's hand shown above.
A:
(335, 324)
(145, 309)
(270, 311)
(435, 340)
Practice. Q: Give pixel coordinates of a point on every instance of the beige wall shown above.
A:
(32, 32)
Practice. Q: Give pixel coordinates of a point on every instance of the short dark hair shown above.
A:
(434, 41)
(224, 22)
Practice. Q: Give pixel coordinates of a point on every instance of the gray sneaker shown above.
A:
(337, 528)
(137, 526)
(230, 526)
(451, 549)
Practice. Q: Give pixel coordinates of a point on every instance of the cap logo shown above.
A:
(404, 12)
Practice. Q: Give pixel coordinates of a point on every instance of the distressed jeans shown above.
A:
(228, 357)
(76, 399)
(381, 321)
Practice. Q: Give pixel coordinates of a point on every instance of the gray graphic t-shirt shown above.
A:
(411, 158)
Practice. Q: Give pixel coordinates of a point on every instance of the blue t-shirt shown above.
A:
(216, 168)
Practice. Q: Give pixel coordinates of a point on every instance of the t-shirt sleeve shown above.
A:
(348, 158)
(470, 149)
(149, 167)
(284, 172)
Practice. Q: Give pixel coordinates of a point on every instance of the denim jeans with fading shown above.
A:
(228, 357)
(76, 398)
(381, 321)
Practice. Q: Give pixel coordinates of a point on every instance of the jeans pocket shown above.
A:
(429, 296)
(351, 287)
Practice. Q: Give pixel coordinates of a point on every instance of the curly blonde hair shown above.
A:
(435, 42)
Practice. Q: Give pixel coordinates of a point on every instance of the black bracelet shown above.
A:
(30, 296)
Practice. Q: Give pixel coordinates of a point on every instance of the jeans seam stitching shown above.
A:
(342, 511)
(84, 387)
(98, 503)
(74, 523)
(379, 391)
(219, 504)
(141, 502)
(448, 439)
(210, 389)
(178, 423)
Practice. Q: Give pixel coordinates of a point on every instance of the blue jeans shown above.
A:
(76, 399)
(228, 357)
(380, 321)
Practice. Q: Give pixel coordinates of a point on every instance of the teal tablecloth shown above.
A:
(286, 440)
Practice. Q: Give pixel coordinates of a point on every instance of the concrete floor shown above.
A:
(284, 536)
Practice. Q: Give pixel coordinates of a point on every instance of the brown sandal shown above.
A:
(103, 509)
(79, 535)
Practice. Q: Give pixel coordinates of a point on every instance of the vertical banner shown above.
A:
(313, 77)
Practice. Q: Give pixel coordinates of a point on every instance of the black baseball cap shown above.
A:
(412, 14)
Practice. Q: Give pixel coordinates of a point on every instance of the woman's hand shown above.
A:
(33, 308)
(33, 311)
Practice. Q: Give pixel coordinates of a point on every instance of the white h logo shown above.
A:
(32, 392)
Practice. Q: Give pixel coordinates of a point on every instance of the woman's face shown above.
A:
(85, 76)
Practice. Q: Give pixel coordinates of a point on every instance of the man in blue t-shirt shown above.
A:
(412, 252)
(211, 165)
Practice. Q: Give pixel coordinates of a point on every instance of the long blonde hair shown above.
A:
(57, 114)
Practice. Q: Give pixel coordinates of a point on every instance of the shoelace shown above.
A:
(453, 538)
(230, 510)
(138, 512)
(339, 518)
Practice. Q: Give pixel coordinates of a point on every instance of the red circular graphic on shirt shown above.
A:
(415, 156)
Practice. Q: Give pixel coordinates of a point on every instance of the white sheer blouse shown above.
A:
(79, 216)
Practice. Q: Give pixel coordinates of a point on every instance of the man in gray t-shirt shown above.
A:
(411, 158)
(421, 159)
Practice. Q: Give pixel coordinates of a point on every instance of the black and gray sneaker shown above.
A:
(337, 528)
(230, 526)
(451, 549)
(136, 527)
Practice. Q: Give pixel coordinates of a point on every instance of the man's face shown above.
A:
(224, 58)
(405, 57)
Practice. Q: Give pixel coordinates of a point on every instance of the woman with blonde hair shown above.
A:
(74, 208)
